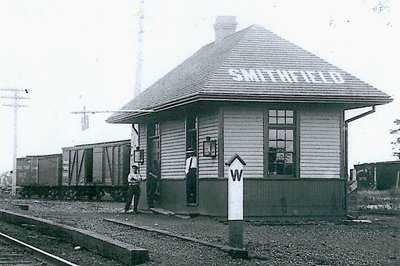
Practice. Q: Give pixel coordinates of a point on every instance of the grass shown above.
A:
(377, 201)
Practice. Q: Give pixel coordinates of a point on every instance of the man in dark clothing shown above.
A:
(133, 192)
(152, 184)
(191, 177)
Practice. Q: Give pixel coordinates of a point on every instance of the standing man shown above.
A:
(191, 177)
(134, 179)
(152, 184)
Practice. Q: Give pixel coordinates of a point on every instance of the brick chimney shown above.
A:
(224, 26)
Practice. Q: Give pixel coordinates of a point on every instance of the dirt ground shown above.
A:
(312, 243)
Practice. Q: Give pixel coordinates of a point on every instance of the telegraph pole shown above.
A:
(16, 97)
(139, 51)
(138, 76)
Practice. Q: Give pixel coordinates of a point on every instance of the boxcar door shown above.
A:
(88, 166)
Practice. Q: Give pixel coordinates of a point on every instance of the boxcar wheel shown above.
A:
(79, 195)
(70, 194)
(99, 194)
(26, 194)
(53, 193)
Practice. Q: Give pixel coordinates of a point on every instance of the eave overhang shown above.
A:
(348, 101)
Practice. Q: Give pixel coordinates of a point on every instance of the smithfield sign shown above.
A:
(286, 76)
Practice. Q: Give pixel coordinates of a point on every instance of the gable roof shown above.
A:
(253, 65)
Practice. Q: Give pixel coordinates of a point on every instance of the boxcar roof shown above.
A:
(379, 163)
(99, 144)
(40, 156)
(255, 65)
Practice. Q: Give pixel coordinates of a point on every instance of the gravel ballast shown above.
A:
(314, 243)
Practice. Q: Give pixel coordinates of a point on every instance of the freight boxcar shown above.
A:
(380, 175)
(95, 169)
(39, 175)
(81, 171)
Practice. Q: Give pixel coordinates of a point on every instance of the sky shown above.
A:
(75, 53)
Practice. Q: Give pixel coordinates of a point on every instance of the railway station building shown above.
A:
(279, 107)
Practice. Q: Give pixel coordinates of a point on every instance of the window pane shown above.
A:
(272, 120)
(289, 146)
(280, 163)
(289, 158)
(281, 120)
(272, 168)
(289, 169)
(289, 113)
(280, 157)
(272, 144)
(272, 112)
(289, 134)
(281, 144)
(281, 112)
(281, 134)
(289, 121)
(272, 134)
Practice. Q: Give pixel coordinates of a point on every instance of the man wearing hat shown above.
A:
(191, 176)
(133, 192)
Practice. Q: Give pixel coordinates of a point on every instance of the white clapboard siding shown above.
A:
(143, 145)
(243, 134)
(173, 143)
(320, 143)
(208, 127)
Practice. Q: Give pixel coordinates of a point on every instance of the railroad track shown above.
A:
(16, 252)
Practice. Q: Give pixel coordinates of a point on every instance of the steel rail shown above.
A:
(40, 254)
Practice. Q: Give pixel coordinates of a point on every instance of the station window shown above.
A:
(281, 142)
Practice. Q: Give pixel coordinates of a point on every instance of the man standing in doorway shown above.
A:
(134, 179)
(152, 184)
(191, 177)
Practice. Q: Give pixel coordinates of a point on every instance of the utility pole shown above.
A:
(138, 77)
(16, 97)
(139, 51)
(137, 88)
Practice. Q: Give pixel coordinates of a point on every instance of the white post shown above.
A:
(235, 201)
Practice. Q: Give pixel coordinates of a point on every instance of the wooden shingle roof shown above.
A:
(253, 65)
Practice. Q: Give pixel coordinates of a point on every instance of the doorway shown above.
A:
(153, 164)
(191, 164)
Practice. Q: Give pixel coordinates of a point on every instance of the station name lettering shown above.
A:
(286, 76)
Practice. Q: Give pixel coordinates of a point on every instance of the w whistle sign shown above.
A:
(235, 188)
(237, 175)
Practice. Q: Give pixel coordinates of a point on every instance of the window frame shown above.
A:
(278, 126)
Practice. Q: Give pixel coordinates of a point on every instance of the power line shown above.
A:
(16, 105)
(85, 113)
